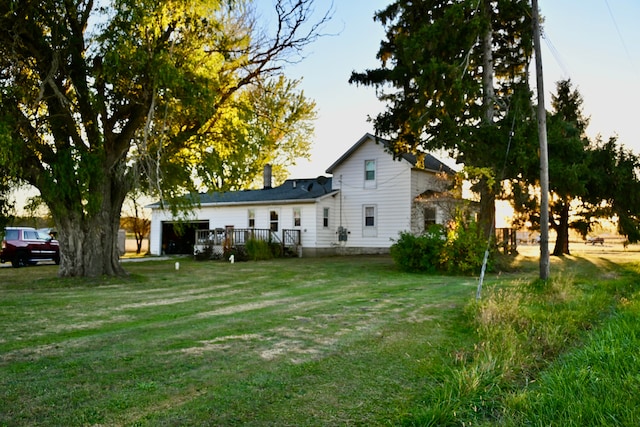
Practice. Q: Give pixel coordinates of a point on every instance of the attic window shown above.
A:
(370, 170)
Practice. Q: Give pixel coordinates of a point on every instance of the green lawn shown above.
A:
(299, 342)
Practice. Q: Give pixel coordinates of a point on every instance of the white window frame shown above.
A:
(276, 222)
(428, 219)
(369, 230)
(251, 218)
(370, 182)
(297, 217)
(325, 217)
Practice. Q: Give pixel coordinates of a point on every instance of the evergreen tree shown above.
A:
(588, 181)
(450, 74)
(568, 162)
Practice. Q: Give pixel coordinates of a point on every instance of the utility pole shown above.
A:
(544, 157)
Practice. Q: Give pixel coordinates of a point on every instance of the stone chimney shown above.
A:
(267, 176)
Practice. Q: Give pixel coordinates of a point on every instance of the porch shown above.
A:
(213, 243)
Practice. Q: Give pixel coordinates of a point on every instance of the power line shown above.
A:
(556, 55)
(624, 45)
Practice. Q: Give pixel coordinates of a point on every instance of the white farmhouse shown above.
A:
(369, 199)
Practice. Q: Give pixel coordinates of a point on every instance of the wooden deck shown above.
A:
(219, 239)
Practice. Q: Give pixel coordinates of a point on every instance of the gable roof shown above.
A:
(430, 162)
(291, 191)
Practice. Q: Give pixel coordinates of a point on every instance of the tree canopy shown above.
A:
(454, 75)
(173, 96)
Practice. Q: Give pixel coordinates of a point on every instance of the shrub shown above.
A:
(457, 250)
(239, 253)
(463, 253)
(259, 250)
(206, 253)
(419, 253)
(276, 249)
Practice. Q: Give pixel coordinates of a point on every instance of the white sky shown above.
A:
(593, 42)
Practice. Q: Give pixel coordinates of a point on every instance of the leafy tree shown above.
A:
(134, 221)
(276, 129)
(449, 73)
(97, 98)
(6, 206)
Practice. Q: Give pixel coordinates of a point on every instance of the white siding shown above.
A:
(238, 216)
(391, 196)
(422, 181)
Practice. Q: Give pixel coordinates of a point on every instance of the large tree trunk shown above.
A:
(89, 241)
(487, 215)
(562, 231)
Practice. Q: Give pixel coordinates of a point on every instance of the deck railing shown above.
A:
(229, 237)
(291, 238)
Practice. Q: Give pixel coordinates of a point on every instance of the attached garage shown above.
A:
(178, 237)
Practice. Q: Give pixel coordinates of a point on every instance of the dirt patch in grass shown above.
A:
(240, 308)
(89, 324)
(220, 343)
(37, 352)
(135, 416)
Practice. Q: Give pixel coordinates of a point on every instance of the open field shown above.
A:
(305, 342)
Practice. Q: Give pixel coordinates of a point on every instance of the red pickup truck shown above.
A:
(24, 246)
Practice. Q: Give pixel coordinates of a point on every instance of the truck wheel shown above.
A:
(21, 260)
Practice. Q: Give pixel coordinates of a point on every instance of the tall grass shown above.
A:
(522, 328)
(598, 384)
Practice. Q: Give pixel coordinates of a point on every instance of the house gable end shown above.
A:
(430, 162)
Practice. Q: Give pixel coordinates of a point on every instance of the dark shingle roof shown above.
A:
(430, 162)
(290, 190)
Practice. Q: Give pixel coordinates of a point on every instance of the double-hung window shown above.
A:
(370, 174)
(296, 217)
(274, 221)
(370, 221)
(325, 217)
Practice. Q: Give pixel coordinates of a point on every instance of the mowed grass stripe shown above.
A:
(222, 344)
